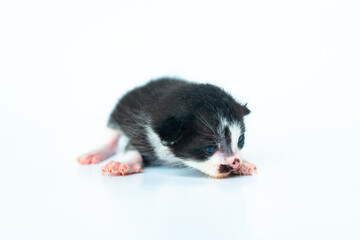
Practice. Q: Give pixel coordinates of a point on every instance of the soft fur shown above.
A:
(172, 121)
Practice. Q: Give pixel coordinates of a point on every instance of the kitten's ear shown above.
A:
(170, 129)
(245, 110)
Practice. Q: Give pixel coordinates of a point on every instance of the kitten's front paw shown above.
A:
(246, 168)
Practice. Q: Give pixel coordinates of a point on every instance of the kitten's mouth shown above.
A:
(226, 168)
(222, 172)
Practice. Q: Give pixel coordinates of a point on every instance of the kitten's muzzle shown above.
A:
(225, 168)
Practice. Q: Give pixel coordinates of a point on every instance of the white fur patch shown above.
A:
(162, 152)
(131, 157)
(235, 132)
(223, 124)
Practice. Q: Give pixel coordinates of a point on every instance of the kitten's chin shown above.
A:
(210, 167)
(218, 175)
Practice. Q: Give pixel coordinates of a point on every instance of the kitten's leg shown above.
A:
(103, 152)
(246, 168)
(130, 163)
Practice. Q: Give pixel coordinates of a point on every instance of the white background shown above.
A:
(64, 64)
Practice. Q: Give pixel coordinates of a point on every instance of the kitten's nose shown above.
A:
(236, 163)
(230, 165)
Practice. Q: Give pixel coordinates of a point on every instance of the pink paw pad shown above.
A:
(118, 168)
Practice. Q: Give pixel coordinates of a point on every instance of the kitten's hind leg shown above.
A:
(131, 162)
(105, 151)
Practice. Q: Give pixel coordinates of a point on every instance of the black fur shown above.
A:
(225, 168)
(183, 114)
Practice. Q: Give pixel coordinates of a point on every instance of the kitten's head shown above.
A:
(205, 130)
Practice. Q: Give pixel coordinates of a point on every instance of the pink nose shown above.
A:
(235, 163)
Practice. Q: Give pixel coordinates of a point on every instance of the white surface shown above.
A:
(64, 64)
